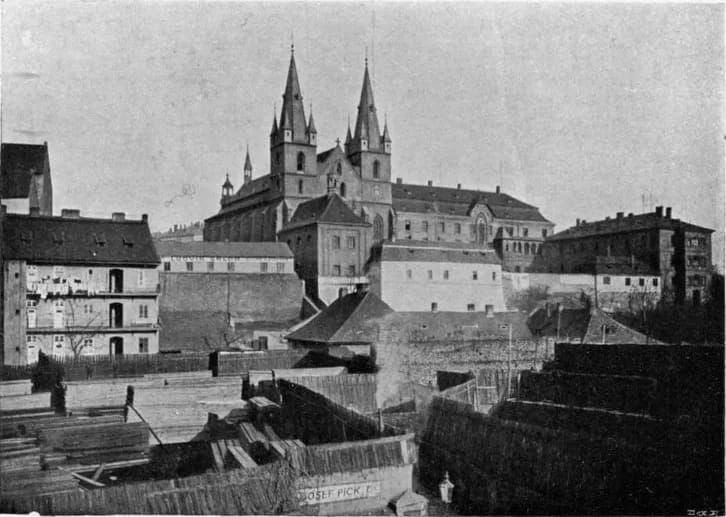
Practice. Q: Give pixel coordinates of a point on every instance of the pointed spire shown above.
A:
(292, 116)
(227, 185)
(348, 136)
(274, 124)
(248, 162)
(311, 124)
(366, 126)
(386, 135)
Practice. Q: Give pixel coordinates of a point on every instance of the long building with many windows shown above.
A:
(76, 286)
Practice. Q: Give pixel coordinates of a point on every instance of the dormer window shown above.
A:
(58, 238)
(100, 240)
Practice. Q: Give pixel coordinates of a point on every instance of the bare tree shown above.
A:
(87, 330)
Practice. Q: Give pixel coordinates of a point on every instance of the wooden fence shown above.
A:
(357, 391)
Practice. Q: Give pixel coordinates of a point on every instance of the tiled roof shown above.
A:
(18, 161)
(324, 209)
(638, 222)
(350, 319)
(223, 249)
(58, 240)
(423, 198)
(437, 251)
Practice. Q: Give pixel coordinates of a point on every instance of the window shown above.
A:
(526, 248)
(641, 282)
(339, 169)
(141, 278)
(190, 266)
(210, 266)
(336, 270)
(457, 228)
(627, 280)
(378, 228)
(342, 189)
(606, 280)
(143, 345)
(230, 267)
(376, 169)
(301, 162)
(434, 306)
(58, 271)
(544, 232)
(263, 267)
(298, 242)
(425, 226)
(351, 243)
(655, 282)
(167, 266)
(351, 270)
(407, 225)
(442, 227)
(446, 274)
(336, 242)
(300, 186)
(430, 274)
(470, 307)
(475, 275)
(87, 346)
(143, 312)
(517, 269)
(32, 273)
(280, 267)
(525, 231)
(59, 342)
(506, 246)
(494, 275)
(409, 274)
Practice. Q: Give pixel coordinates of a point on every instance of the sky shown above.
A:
(583, 109)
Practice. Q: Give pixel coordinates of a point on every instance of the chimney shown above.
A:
(489, 311)
(619, 215)
(399, 181)
(430, 183)
(659, 211)
(630, 214)
(577, 222)
(69, 213)
(118, 216)
(144, 218)
(34, 211)
(668, 212)
(499, 190)
(458, 186)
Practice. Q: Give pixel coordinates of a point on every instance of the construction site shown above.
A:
(596, 430)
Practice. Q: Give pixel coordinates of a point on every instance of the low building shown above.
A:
(220, 294)
(193, 232)
(677, 251)
(422, 276)
(75, 285)
(25, 184)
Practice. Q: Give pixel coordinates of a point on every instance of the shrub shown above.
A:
(45, 374)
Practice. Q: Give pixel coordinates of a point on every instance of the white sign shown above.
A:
(330, 494)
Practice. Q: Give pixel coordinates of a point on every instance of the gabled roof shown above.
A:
(223, 249)
(329, 209)
(647, 221)
(604, 329)
(436, 251)
(59, 240)
(350, 319)
(423, 198)
(18, 162)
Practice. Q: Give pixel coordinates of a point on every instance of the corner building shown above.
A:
(358, 174)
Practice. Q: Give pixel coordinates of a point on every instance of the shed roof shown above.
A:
(223, 249)
(59, 240)
(350, 319)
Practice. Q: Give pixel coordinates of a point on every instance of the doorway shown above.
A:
(117, 346)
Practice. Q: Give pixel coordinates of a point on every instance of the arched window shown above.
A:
(300, 186)
(342, 189)
(301, 162)
(481, 230)
(376, 169)
(339, 169)
(378, 228)
(526, 248)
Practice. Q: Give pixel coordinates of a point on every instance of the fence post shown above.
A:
(129, 401)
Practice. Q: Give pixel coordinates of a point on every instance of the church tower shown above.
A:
(293, 141)
(366, 148)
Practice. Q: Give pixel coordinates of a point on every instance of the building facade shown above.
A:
(653, 243)
(76, 286)
(359, 172)
(420, 276)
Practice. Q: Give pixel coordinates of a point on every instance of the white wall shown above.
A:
(221, 265)
(417, 293)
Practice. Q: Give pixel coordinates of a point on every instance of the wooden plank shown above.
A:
(218, 459)
(242, 458)
(84, 478)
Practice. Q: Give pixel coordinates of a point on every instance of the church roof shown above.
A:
(423, 198)
(366, 124)
(61, 240)
(324, 209)
(350, 319)
(18, 162)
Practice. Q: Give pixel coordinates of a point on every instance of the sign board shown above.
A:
(333, 493)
